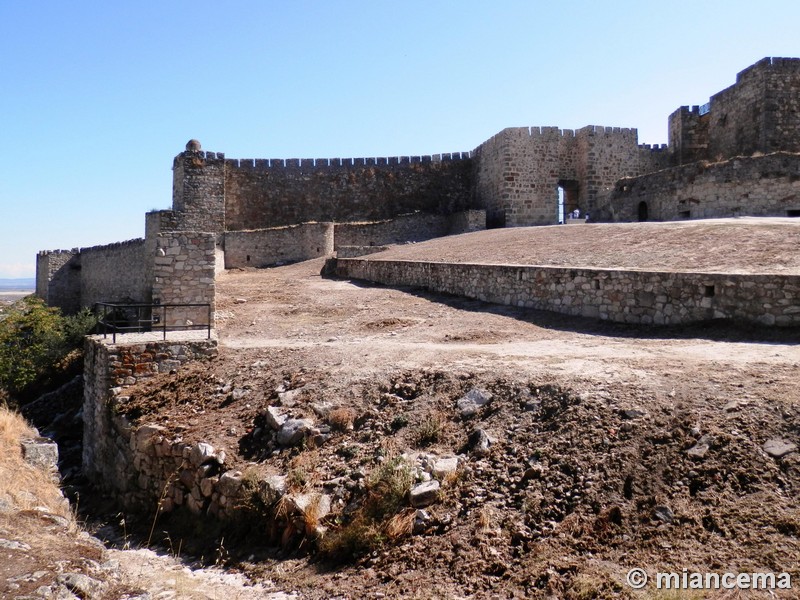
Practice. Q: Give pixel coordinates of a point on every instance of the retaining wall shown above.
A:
(146, 469)
(623, 296)
(415, 227)
(113, 457)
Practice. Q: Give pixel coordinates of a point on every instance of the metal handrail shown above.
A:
(149, 317)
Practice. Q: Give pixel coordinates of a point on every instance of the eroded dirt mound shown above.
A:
(561, 486)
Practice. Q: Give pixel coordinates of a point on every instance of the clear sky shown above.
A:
(96, 98)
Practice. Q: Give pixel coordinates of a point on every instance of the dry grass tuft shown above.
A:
(313, 515)
(22, 485)
(342, 418)
(429, 431)
(486, 518)
(400, 525)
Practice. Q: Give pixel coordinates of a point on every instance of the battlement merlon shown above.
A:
(202, 159)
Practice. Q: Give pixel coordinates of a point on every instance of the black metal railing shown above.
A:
(117, 318)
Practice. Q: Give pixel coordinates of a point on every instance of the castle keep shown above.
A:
(736, 155)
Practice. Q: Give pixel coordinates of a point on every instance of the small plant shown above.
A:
(379, 519)
(301, 471)
(387, 487)
(347, 451)
(428, 432)
(399, 422)
(351, 541)
(297, 478)
(485, 518)
(401, 524)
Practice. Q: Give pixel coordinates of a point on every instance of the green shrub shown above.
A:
(34, 340)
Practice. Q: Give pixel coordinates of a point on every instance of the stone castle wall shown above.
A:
(114, 273)
(58, 280)
(518, 171)
(183, 273)
(638, 297)
(268, 247)
(294, 243)
(758, 113)
(754, 186)
(110, 273)
(212, 193)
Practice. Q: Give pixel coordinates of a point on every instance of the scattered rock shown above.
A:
(479, 443)
(202, 453)
(778, 448)
(289, 398)
(422, 520)
(424, 494)
(316, 505)
(272, 488)
(701, 448)
(81, 585)
(40, 452)
(469, 404)
(444, 466)
(275, 417)
(13, 545)
(663, 514)
(293, 431)
(239, 300)
(632, 413)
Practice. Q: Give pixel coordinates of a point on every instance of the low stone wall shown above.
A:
(467, 221)
(113, 457)
(267, 247)
(415, 227)
(355, 251)
(623, 296)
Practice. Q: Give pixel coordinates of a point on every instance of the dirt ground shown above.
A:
(604, 447)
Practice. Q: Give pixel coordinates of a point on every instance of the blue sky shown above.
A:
(98, 97)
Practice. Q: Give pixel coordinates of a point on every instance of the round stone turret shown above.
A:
(193, 146)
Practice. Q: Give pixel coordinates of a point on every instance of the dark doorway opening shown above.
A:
(567, 198)
(642, 211)
(793, 213)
